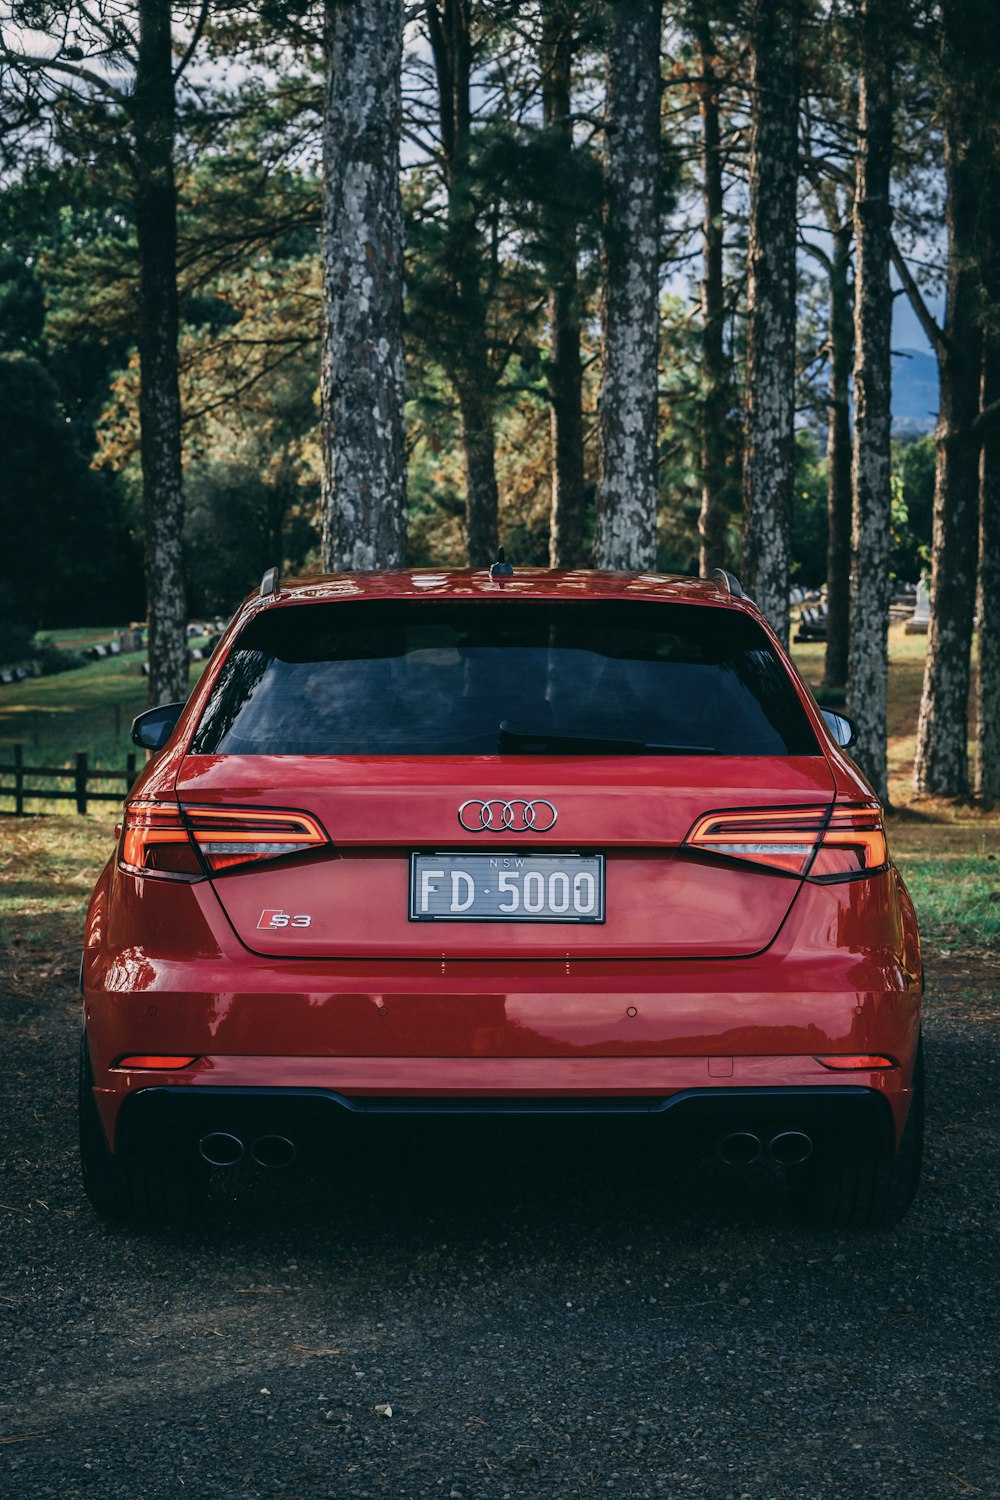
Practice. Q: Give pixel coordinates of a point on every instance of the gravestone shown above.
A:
(921, 618)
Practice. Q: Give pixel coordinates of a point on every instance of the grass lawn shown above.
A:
(90, 708)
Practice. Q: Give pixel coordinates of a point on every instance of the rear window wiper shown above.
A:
(546, 742)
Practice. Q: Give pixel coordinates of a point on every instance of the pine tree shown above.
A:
(564, 372)
(71, 88)
(965, 71)
(450, 30)
(626, 495)
(868, 673)
(364, 465)
(769, 453)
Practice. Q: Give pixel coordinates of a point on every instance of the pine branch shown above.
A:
(28, 62)
(926, 319)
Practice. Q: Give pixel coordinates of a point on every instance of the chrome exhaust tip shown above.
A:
(740, 1148)
(220, 1149)
(273, 1151)
(790, 1147)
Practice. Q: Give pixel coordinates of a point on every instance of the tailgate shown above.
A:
(627, 816)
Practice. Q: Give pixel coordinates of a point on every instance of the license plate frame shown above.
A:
(491, 864)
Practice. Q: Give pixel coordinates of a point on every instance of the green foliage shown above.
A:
(61, 522)
(809, 502)
(17, 641)
(913, 463)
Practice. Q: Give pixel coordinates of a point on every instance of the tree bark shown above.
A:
(364, 461)
(626, 493)
(987, 698)
(159, 397)
(564, 373)
(838, 459)
(868, 673)
(449, 24)
(769, 437)
(713, 519)
(942, 765)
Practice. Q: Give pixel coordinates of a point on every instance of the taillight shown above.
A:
(229, 836)
(185, 841)
(853, 843)
(155, 841)
(814, 841)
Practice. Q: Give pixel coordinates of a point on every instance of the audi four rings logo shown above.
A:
(515, 816)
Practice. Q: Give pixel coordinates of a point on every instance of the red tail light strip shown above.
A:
(826, 844)
(150, 1061)
(181, 842)
(859, 1060)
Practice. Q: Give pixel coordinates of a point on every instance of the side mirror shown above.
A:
(841, 727)
(152, 729)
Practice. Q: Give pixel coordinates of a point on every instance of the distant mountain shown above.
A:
(914, 391)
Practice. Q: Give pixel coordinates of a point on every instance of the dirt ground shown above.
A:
(546, 1315)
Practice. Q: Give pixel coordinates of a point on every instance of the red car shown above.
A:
(468, 842)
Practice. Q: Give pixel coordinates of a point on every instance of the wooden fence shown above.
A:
(80, 774)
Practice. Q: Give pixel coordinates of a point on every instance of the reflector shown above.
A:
(855, 1060)
(140, 1060)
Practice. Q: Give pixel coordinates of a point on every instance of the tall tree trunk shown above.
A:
(942, 765)
(364, 461)
(565, 377)
(159, 398)
(987, 698)
(868, 674)
(626, 494)
(769, 441)
(838, 460)
(449, 24)
(713, 519)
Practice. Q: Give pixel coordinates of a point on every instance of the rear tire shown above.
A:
(857, 1190)
(152, 1186)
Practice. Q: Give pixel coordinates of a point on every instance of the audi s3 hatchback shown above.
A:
(462, 844)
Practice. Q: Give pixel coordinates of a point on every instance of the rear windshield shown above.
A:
(503, 676)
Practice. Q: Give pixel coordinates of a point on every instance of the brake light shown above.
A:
(853, 844)
(813, 841)
(155, 841)
(184, 841)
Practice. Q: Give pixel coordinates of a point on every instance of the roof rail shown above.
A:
(727, 581)
(270, 583)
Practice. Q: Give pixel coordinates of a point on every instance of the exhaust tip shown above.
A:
(739, 1148)
(273, 1151)
(790, 1147)
(220, 1149)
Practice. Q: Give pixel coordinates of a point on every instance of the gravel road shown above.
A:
(552, 1313)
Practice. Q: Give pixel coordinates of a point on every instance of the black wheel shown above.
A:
(152, 1186)
(855, 1190)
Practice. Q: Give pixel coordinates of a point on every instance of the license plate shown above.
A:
(459, 887)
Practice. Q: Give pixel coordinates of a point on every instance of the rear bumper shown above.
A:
(831, 1117)
(530, 1029)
